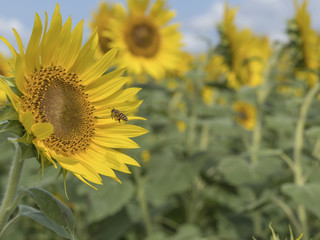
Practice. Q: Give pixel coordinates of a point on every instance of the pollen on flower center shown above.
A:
(143, 38)
(56, 96)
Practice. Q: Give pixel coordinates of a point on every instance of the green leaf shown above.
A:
(53, 208)
(114, 226)
(167, 176)
(42, 219)
(109, 199)
(187, 232)
(14, 127)
(236, 171)
(307, 195)
(9, 113)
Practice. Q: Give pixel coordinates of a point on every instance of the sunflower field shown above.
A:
(127, 136)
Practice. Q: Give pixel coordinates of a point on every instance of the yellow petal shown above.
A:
(98, 162)
(42, 130)
(75, 166)
(126, 130)
(33, 49)
(13, 51)
(12, 96)
(84, 59)
(71, 50)
(136, 118)
(100, 67)
(123, 157)
(19, 41)
(114, 142)
(27, 120)
(95, 84)
(64, 40)
(50, 39)
(83, 180)
(117, 98)
(107, 89)
(19, 74)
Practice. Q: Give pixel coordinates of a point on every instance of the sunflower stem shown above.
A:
(143, 202)
(204, 139)
(298, 145)
(8, 203)
(192, 132)
(256, 137)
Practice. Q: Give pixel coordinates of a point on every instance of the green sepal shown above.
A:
(26, 139)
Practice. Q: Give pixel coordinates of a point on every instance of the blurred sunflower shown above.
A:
(64, 101)
(145, 40)
(216, 69)
(306, 49)
(245, 114)
(5, 69)
(208, 95)
(244, 54)
(100, 22)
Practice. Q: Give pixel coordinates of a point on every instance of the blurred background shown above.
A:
(234, 141)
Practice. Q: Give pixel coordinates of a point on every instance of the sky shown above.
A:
(198, 18)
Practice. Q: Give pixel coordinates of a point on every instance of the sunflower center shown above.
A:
(143, 38)
(242, 115)
(56, 96)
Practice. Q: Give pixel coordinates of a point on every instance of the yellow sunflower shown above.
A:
(208, 95)
(308, 44)
(245, 114)
(65, 101)
(245, 53)
(100, 22)
(216, 68)
(146, 42)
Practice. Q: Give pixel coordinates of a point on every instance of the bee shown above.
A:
(117, 115)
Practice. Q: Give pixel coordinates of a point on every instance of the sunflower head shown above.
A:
(208, 95)
(65, 101)
(146, 42)
(245, 114)
(305, 49)
(100, 21)
(245, 54)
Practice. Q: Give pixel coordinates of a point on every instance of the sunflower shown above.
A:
(5, 69)
(100, 22)
(147, 44)
(308, 45)
(208, 95)
(245, 54)
(65, 101)
(245, 114)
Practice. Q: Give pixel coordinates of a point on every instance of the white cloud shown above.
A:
(193, 43)
(208, 20)
(6, 26)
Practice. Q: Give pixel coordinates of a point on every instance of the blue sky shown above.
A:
(197, 18)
